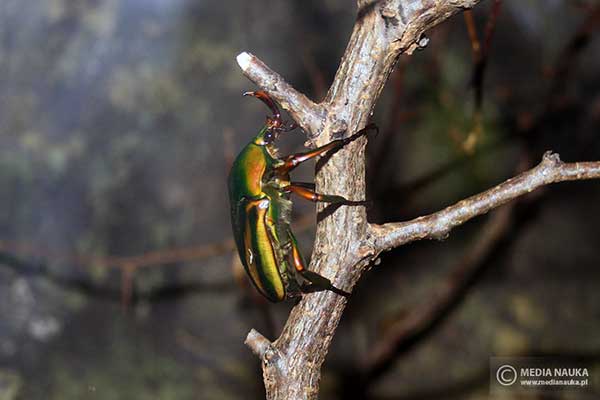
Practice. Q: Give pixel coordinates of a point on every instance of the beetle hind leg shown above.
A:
(302, 190)
(316, 282)
(319, 283)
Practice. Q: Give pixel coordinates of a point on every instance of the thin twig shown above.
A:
(473, 35)
(480, 61)
(127, 265)
(148, 259)
(438, 225)
(89, 288)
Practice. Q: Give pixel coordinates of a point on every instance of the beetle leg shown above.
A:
(307, 185)
(317, 282)
(311, 195)
(293, 160)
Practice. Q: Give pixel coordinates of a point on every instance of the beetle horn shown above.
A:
(265, 98)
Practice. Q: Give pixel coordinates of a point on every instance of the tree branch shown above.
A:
(383, 31)
(438, 225)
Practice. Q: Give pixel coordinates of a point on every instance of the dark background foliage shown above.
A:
(118, 120)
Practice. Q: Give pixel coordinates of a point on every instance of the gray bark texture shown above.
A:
(346, 244)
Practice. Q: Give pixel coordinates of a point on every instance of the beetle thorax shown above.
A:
(272, 150)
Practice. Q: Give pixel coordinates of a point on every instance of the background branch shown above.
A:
(384, 351)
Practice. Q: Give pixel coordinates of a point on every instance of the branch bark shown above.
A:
(345, 243)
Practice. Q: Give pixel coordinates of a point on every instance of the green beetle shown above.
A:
(259, 194)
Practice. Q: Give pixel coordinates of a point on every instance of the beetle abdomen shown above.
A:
(260, 258)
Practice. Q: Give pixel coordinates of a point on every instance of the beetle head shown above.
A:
(266, 136)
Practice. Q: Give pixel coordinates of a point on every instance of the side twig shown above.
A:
(438, 225)
(480, 60)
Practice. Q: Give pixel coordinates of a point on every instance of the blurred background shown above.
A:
(119, 119)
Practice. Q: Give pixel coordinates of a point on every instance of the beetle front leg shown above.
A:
(317, 282)
(303, 190)
(293, 160)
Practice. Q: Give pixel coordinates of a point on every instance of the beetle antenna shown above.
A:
(265, 98)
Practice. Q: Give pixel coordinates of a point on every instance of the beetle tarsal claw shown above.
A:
(320, 283)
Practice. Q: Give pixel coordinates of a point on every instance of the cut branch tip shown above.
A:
(259, 344)
(244, 59)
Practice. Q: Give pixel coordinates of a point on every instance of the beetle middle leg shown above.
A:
(317, 282)
(292, 161)
(305, 191)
